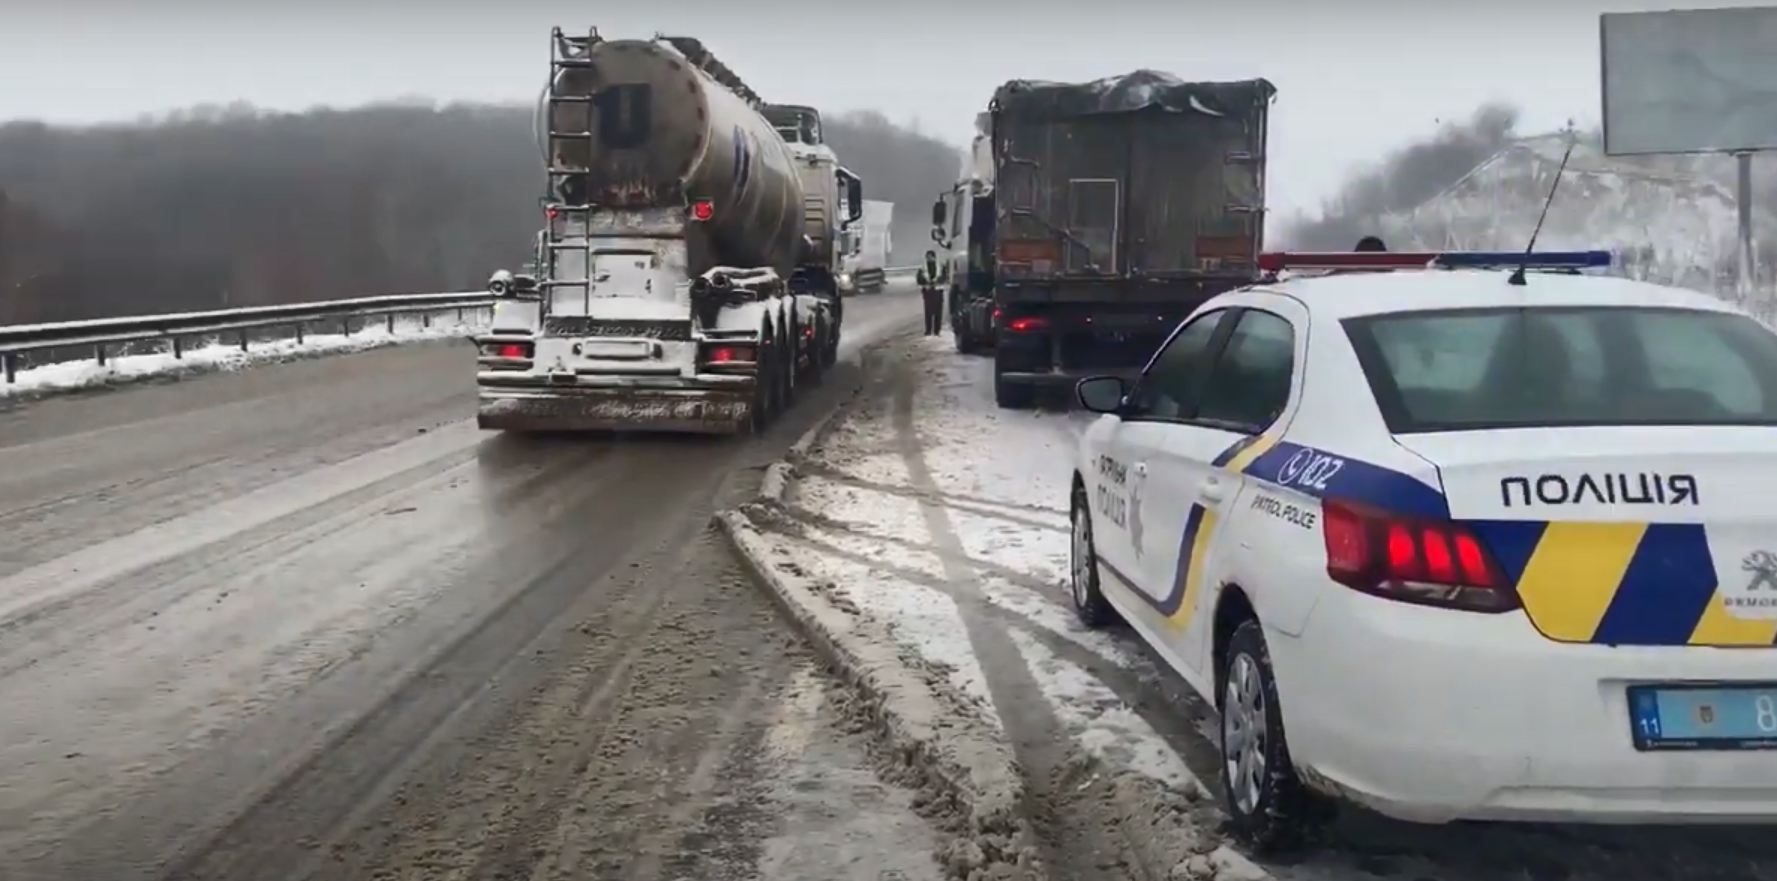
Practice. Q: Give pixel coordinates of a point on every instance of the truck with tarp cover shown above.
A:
(1120, 206)
(686, 274)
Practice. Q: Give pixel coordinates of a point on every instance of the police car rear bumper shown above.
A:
(1432, 716)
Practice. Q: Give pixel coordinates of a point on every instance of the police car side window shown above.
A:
(1249, 384)
(1169, 386)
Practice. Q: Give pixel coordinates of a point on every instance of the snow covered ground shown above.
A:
(943, 520)
(202, 356)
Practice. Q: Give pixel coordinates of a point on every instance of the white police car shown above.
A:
(1453, 547)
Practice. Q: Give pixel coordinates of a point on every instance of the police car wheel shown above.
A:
(1089, 603)
(1266, 801)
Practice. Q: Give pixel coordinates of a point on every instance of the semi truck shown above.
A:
(866, 261)
(1118, 207)
(686, 271)
(962, 226)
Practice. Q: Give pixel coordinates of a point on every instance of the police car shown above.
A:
(1452, 543)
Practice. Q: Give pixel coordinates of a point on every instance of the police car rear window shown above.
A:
(1472, 369)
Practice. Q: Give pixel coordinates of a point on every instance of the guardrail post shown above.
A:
(178, 348)
(391, 324)
(459, 315)
(99, 353)
(9, 362)
(299, 329)
(243, 339)
(345, 325)
(425, 321)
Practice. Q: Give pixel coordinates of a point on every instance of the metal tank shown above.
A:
(658, 129)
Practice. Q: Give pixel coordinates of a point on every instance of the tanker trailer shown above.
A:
(671, 290)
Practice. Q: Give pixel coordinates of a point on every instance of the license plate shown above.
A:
(1707, 717)
(618, 349)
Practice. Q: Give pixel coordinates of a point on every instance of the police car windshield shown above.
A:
(1471, 369)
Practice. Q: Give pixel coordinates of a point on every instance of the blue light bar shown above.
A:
(1512, 260)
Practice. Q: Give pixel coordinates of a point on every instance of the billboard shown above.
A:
(1689, 80)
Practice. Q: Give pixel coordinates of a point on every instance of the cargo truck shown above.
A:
(687, 267)
(1119, 206)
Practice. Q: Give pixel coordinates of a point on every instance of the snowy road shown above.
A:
(929, 510)
(304, 621)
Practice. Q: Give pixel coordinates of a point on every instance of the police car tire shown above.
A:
(1088, 600)
(1286, 813)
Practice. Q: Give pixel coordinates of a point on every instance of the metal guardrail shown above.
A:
(100, 333)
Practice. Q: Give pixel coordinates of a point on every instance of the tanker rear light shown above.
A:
(730, 355)
(703, 210)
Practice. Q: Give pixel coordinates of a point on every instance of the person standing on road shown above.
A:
(931, 289)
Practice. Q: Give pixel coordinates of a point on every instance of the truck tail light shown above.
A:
(1411, 559)
(1027, 324)
(729, 355)
(511, 351)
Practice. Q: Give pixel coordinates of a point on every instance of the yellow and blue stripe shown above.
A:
(1627, 584)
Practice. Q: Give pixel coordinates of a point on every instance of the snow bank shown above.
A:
(214, 355)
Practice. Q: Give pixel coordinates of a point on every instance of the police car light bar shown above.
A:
(1277, 261)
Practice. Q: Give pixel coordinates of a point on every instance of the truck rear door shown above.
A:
(1198, 181)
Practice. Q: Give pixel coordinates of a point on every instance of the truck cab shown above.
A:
(962, 227)
(833, 198)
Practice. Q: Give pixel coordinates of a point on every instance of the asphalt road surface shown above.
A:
(305, 621)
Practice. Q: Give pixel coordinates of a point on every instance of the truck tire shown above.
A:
(1010, 395)
(965, 341)
(765, 384)
(787, 367)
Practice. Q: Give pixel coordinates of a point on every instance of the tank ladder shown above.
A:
(568, 204)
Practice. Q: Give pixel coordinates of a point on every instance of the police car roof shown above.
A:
(1348, 294)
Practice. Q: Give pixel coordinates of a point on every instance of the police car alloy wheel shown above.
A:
(1266, 802)
(1089, 602)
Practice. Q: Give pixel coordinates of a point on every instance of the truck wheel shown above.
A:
(817, 352)
(1011, 396)
(787, 369)
(765, 386)
(965, 344)
(830, 351)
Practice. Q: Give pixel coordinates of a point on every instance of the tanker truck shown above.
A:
(685, 274)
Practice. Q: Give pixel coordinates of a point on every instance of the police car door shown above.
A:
(1163, 400)
(1244, 403)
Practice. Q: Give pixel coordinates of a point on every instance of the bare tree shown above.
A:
(228, 206)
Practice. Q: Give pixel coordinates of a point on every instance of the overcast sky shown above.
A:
(1355, 77)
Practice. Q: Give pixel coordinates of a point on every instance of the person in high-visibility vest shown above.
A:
(931, 289)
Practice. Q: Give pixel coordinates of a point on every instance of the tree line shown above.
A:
(220, 207)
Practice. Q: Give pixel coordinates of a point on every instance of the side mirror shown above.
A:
(524, 284)
(940, 215)
(1101, 394)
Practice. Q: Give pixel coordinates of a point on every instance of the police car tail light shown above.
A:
(1414, 560)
